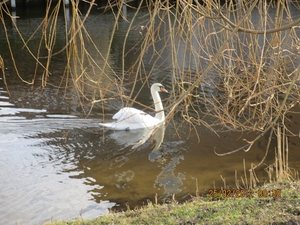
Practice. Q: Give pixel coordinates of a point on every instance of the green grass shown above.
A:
(256, 210)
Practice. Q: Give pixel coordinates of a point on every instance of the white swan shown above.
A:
(131, 118)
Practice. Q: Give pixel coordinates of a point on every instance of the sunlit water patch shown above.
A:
(34, 187)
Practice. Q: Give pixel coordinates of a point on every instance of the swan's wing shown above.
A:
(125, 112)
(131, 118)
(132, 115)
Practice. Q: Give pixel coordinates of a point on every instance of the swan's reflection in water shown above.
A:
(166, 178)
(135, 138)
(117, 166)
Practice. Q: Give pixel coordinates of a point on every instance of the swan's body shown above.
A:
(130, 118)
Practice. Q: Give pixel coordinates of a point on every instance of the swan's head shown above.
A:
(158, 88)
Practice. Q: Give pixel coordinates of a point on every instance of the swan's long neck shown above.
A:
(158, 105)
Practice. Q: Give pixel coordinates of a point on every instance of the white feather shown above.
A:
(130, 118)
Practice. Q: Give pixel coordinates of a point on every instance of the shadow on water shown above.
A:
(54, 163)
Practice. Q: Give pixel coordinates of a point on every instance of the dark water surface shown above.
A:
(54, 163)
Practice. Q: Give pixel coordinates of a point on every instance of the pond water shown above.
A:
(56, 163)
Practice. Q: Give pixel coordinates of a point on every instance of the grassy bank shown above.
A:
(281, 206)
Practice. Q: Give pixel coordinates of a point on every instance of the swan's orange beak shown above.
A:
(162, 89)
